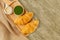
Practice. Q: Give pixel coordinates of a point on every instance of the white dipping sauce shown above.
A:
(8, 9)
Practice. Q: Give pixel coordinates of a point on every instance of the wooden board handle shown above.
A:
(9, 1)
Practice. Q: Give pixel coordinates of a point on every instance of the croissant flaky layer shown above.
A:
(24, 19)
(30, 27)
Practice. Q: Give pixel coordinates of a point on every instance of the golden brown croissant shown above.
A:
(30, 27)
(24, 19)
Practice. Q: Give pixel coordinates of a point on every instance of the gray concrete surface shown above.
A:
(48, 12)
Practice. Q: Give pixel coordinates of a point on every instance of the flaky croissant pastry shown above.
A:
(24, 19)
(30, 27)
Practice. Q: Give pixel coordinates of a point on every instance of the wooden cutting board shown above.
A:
(4, 33)
(13, 16)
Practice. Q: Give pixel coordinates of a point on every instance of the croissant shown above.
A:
(30, 27)
(24, 19)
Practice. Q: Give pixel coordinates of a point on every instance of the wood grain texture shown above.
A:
(48, 12)
(6, 28)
